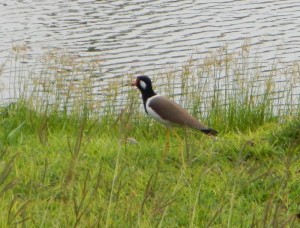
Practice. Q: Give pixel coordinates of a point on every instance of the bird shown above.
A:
(166, 111)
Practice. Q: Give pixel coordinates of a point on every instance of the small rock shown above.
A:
(131, 141)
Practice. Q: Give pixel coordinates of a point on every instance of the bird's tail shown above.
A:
(209, 131)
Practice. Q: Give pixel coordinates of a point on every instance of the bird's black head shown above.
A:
(144, 84)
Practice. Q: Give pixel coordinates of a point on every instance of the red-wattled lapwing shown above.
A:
(167, 111)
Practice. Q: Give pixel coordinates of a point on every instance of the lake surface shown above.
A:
(145, 36)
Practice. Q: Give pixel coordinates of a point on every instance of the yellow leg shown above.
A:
(181, 149)
(167, 144)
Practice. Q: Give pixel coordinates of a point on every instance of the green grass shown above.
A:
(65, 171)
(69, 157)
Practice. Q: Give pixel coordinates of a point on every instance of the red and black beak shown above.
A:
(134, 83)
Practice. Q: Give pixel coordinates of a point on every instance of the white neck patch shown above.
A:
(143, 85)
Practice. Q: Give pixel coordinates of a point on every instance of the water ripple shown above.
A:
(139, 36)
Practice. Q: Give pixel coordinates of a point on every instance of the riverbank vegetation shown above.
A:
(68, 157)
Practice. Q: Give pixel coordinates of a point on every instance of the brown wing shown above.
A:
(171, 111)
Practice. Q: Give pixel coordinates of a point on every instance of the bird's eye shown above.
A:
(143, 84)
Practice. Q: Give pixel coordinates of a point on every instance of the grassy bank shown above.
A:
(66, 171)
(69, 157)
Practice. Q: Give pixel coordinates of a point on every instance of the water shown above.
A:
(145, 36)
